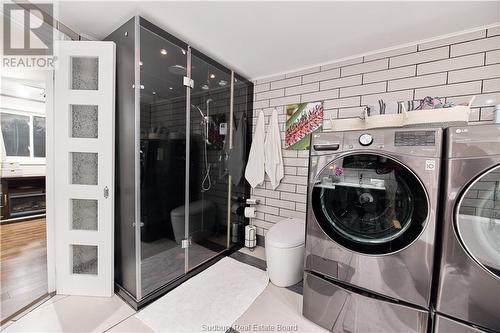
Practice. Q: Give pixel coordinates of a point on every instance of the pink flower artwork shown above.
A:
(304, 119)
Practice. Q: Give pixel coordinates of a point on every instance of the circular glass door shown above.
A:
(478, 220)
(370, 203)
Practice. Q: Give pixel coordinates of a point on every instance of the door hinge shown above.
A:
(140, 224)
(185, 243)
(188, 82)
(106, 192)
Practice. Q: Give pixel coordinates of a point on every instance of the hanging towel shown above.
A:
(254, 172)
(274, 158)
(236, 163)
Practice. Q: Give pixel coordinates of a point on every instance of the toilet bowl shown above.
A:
(285, 244)
(201, 220)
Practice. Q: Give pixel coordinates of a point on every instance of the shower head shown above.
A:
(209, 101)
(199, 110)
(204, 122)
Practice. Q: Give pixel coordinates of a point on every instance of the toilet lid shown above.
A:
(286, 234)
(195, 207)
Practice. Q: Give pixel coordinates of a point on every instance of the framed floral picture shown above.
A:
(302, 120)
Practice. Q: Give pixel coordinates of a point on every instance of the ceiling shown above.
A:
(262, 38)
(159, 81)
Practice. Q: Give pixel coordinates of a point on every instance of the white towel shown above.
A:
(274, 158)
(254, 172)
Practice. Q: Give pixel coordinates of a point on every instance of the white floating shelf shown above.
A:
(456, 115)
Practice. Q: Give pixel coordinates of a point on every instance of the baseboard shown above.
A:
(261, 241)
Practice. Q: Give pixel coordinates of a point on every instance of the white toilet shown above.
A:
(285, 252)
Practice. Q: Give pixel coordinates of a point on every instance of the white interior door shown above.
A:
(84, 99)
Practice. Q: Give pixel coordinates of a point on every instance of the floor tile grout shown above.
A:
(118, 323)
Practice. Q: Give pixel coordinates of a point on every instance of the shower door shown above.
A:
(210, 101)
(174, 108)
(163, 103)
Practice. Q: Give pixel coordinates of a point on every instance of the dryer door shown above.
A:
(477, 220)
(370, 203)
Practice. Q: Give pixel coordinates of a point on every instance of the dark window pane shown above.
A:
(39, 136)
(16, 134)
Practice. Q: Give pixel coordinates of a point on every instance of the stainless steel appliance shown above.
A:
(447, 325)
(469, 284)
(371, 214)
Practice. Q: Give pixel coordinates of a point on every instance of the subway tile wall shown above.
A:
(454, 69)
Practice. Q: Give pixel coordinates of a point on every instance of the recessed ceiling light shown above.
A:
(205, 87)
(212, 76)
(142, 86)
(140, 63)
(154, 92)
(184, 52)
(222, 83)
(163, 52)
(170, 88)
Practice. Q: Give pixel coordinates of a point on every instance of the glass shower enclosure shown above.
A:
(177, 111)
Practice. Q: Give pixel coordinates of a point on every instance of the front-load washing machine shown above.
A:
(469, 284)
(372, 204)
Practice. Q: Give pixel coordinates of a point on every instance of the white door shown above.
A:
(84, 100)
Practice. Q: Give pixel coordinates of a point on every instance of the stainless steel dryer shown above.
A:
(469, 285)
(447, 325)
(372, 202)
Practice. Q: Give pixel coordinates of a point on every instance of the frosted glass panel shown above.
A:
(84, 121)
(84, 73)
(84, 214)
(84, 259)
(84, 168)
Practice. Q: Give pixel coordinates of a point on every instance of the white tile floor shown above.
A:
(259, 252)
(73, 314)
(276, 309)
(275, 306)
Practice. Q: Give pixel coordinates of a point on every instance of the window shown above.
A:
(39, 136)
(23, 134)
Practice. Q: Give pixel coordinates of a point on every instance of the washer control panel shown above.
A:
(415, 138)
(365, 139)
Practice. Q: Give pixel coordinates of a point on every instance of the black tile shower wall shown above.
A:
(455, 68)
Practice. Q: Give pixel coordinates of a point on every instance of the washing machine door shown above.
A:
(370, 203)
(477, 220)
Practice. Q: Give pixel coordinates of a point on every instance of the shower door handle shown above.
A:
(106, 192)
